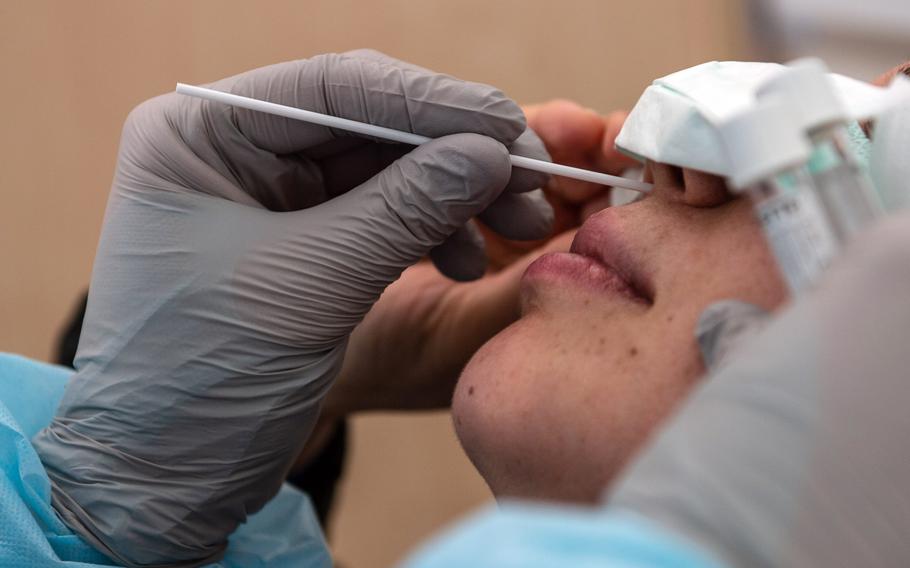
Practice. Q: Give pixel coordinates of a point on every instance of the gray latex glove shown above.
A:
(795, 452)
(238, 252)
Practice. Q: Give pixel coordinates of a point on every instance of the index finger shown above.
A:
(363, 87)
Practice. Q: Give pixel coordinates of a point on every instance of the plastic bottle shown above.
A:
(843, 186)
(769, 163)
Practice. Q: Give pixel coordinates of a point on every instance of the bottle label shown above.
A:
(799, 236)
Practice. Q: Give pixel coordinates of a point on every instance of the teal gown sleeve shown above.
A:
(283, 534)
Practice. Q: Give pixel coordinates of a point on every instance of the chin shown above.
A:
(491, 413)
(472, 405)
(511, 429)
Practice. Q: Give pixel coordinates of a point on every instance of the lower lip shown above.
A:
(566, 268)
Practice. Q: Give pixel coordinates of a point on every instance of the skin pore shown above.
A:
(554, 405)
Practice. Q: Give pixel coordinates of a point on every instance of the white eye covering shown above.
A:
(675, 120)
(891, 141)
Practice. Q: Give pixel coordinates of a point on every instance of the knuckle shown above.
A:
(560, 106)
(147, 113)
(486, 159)
(368, 53)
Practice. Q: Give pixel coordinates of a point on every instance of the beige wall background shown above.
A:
(71, 71)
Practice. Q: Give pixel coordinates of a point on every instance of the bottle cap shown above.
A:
(806, 87)
(762, 141)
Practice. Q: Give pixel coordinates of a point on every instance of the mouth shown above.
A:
(599, 260)
(602, 239)
(561, 268)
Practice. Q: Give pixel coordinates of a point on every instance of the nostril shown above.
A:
(676, 177)
(664, 175)
(704, 190)
(686, 186)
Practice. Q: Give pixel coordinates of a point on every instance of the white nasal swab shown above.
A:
(399, 136)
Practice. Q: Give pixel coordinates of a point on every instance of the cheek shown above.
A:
(758, 273)
(554, 406)
(718, 255)
(741, 264)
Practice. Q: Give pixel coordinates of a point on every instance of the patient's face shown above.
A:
(555, 404)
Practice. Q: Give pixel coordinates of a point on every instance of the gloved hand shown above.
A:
(795, 452)
(239, 250)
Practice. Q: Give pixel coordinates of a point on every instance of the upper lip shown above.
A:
(601, 237)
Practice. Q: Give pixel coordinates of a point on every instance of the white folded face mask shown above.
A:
(675, 120)
(889, 165)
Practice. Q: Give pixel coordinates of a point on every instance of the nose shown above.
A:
(689, 187)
